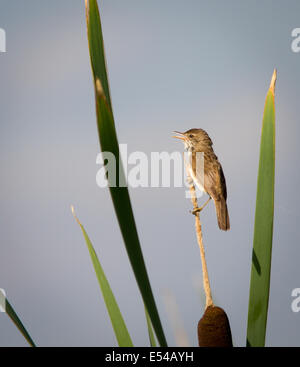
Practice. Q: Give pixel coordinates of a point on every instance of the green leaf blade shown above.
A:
(16, 320)
(109, 143)
(118, 323)
(150, 330)
(96, 46)
(263, 228)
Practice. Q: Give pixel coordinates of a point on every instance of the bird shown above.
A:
(213, 183)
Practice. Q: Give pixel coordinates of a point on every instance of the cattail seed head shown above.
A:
(214, 328)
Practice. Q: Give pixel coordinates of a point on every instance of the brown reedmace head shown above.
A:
(214, 328)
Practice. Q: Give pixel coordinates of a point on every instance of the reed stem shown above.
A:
(206, 284)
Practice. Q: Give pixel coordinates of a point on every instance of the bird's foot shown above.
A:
(196, 210)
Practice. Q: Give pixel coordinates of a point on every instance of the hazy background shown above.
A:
(173, 65)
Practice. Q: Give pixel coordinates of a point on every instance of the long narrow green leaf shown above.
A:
(115, 315)
(150, 330)
(15, 319)
(109, 143)
(263, 229)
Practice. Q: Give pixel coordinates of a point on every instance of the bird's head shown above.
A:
(194, 139)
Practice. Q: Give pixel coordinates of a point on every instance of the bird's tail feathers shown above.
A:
(222, 214)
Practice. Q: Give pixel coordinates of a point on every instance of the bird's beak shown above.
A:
(181, 135)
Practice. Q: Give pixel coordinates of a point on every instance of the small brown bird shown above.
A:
(214, 184)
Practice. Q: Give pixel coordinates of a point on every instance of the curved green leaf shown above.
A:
(114, 312)
(109, 143)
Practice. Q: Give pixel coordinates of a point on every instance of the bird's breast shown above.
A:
(198, 180)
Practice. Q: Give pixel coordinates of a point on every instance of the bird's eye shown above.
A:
(191, 136)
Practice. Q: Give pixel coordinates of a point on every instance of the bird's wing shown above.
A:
(214, 179)
(223, 182)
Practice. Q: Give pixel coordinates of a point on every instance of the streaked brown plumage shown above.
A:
(197, 140)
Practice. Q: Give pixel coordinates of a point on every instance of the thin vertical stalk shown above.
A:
(206, 284)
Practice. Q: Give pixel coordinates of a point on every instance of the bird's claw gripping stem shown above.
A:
(198, 210)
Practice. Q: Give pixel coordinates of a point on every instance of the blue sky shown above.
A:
(172, 65)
